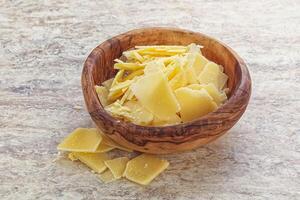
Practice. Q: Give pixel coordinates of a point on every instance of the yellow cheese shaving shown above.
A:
(144, 168)
(110, 142)
(95, 161)
(102, 93)
(194, 103)
(154, 93)
(107, 177)
(102, 148)
(81, 140)
(117, 166)
(150, 77)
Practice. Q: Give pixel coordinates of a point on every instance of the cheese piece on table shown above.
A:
(81, 140)
(95, 161)
(110, 142)
(212, 74)
(117, 166)
(102, 93)
(154, 93)
(102, 148)
(72, 157)
(144, 168)
(194, 103)
(107, 176)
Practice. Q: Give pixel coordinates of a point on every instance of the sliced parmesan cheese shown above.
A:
(139, 114)
(117, 166)
(212, 74)
(102, 148)
(219, 97)
(110, 142)
(144, 168)
(107, 84)
(154, 93)
(194, 103)
(81, 140)
(128, 66)
(95, 161)
(107, 177)
(72, 157)
(102, 93)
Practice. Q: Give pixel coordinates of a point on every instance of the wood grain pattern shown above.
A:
(169, 139)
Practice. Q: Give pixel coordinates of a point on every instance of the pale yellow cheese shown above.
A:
(110, 142)
(102, 93)
(194, 103)
(81, 140)
(72, 157)
(175, 119)
(95, 161)
(197, 62)
(154, 93)
(107, 84)
(179, 80)
(218, 96)
(144, 168)
(117, 166)
(129, 66)
(107, 177)
(212, 74)
(139, 114)
(102, 148)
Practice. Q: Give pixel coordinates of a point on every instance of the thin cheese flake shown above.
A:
(117, 166)
(81, 140)
(144, 168)
(143, 90)
(95, 161)
(107, 177)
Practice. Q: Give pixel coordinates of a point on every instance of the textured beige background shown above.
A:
(43, 47)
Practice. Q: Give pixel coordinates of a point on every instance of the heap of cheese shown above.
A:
(163, 85)
(90, 146)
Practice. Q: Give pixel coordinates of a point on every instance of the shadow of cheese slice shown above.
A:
(95, 161)
(194, 103)
(117, 166)
(144, 168)
(81, 140)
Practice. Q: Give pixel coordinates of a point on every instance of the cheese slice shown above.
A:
(117, 166)
(194, 103)
(95, 161)
(154, 94)
(129, 66)
(81, 140)
(175, 119)
(102, 93)
(144, 168)
(72, 157)
(212, 74)
(102, 148)
(107, 84)
(110, 142)
(139, 114)
(107, 177)
(218, 96)
(197, 62)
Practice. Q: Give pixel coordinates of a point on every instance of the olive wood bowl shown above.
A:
(98, 67)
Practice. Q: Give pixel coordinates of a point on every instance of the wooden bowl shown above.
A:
(98, 67)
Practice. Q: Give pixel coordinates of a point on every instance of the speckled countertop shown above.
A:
(43, 45)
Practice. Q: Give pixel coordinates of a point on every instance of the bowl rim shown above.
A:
(242, 88)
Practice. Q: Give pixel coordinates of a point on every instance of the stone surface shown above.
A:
(43, 45)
